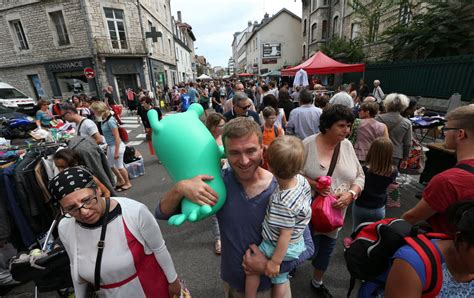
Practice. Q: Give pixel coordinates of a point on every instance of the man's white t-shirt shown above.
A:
(86, 128)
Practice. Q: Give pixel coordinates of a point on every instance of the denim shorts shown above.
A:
(292, 253)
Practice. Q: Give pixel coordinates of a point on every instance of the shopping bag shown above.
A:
(325, 218)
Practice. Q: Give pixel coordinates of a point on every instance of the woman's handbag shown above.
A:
(93, 289)
(324, 217)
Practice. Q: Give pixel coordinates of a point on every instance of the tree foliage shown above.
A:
(347, 50)
(369, 13)
(443, 29)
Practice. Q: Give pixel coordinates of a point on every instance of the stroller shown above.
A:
(50, 270)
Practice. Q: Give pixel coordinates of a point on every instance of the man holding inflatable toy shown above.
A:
(249, 188)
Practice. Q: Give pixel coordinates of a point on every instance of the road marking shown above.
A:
(130, 121)
(141, 136)
(134, 143)
(129, 118)
(130, 125)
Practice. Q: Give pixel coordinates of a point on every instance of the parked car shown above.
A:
(13, 124)
(14, 99)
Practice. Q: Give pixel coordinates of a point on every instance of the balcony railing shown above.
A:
(129, 47)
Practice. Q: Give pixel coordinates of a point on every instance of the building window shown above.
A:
(61, 30)
(324, 2)
(165, 12)
(335, 24)
(169, 45)
(304, 27)
(355, 29)
(314, 4)
(20, 35)
(304, 51)
(115, 22)
(324, 30)
(314, 27)
(405, 14)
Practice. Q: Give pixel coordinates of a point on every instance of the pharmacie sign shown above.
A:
(70, 65)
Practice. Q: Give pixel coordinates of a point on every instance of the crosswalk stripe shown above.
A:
(129, 131)
(141, 136)
(130, 125)
(129, 118)
(134, 121)
(134, 143)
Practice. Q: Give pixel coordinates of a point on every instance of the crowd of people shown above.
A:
(278, 143)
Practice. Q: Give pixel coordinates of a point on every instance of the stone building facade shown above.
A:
(274, 43)
(184, 47)
(48, 46)
(323, 20)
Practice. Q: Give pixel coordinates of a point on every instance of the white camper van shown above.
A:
(12, 98)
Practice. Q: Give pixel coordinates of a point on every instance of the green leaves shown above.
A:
(347, 50)
(442, 29)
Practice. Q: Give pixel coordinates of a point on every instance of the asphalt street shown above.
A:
(192, 245)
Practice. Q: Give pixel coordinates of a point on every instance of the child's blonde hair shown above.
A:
(286, 156)
(379, 157)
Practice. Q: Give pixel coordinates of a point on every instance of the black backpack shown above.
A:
(129, 155)
(374, 244)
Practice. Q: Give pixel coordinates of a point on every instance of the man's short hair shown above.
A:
(241, 127)
(286, 156)
(396, 102)
(239, 96)
(376, 82)
(462, 117)
(305, 96)
(265, 88)
(68, 107)
(371, 107)
(334, 114)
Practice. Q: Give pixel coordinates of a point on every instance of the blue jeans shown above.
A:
(361, 215)
(323, 248)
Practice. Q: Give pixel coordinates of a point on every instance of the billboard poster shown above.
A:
(271, 50)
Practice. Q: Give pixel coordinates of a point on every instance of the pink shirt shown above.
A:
(369, 129)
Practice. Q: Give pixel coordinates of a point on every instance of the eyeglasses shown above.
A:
(446, 129)
(245, 108)
(87, 203)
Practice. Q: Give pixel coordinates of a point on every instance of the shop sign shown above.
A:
(73, 65)
(269, 61)
(271, 50)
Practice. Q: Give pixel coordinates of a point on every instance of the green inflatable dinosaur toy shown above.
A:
(186, 148)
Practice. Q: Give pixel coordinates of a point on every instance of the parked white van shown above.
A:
(12, 98)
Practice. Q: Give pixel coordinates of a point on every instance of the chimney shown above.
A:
(266, 16)
(249, 23)
(255, 23)
(179, 16)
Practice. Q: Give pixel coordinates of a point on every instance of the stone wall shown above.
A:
(40, 33)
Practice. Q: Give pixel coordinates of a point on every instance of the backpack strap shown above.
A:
(432, 261)
(275, 129)
(465, 167)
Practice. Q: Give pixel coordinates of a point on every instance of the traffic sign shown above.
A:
(89, 72)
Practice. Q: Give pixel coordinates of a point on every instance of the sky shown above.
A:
(215, 21)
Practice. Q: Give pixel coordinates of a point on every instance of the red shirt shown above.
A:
(444, 190)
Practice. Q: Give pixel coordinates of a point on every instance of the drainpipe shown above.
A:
(343, 3)
(145, 46)
(91, 46)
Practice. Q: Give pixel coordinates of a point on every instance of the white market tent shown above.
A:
(204, 77)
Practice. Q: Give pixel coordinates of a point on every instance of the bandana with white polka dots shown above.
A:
(70, 180)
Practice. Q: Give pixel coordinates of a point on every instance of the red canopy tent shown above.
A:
(322, 64)
(244, 74)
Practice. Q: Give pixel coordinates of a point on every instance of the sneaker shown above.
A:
(321, 291)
